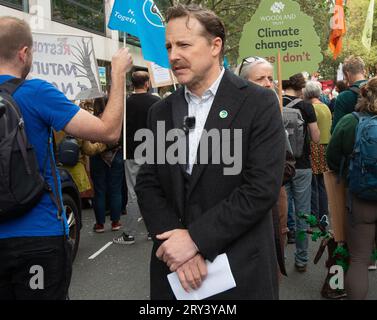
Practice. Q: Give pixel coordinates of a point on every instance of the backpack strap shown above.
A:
(293, 103)
(55, 197)
(355, 90)
(345, 159)
(11, 85)
(356, 114)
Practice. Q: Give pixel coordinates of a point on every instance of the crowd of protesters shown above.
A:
(192, 213)
(306, 191)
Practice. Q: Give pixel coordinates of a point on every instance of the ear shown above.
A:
(23, 53)
(217, 44)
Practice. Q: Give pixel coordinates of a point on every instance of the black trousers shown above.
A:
(35, 268)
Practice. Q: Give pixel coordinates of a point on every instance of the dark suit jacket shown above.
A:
(223, 213)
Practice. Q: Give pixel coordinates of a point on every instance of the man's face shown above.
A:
(191, 55)
(262, 74)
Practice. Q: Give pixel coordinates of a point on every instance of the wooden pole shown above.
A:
(125, 109)
(172, 79)
(280, 83)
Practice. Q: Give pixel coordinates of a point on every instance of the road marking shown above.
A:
(100, 251)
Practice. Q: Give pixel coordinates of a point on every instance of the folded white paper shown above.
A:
(219, 279)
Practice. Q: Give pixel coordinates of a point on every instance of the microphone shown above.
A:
(188, 124)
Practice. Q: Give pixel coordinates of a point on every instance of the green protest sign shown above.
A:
(281, 25)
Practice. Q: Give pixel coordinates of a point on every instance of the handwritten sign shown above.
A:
(68, 62)
(160, 77)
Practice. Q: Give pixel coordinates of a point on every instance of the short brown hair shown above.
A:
(354, 65)
(295, 82)
(368, 101)
(139, 78)
(14, 35)
(212, 24)
(341, 85)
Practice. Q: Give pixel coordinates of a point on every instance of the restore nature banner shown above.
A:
(281, 25)
(68, 62)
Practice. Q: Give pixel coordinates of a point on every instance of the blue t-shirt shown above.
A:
(42, 107)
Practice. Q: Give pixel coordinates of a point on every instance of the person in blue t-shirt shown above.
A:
(37, 237)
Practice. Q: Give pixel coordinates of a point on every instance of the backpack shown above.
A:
(69, 151)
(294, 124)
(362, 174)
(21, 184)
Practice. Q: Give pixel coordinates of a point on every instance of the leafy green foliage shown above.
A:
(341, 256)
(316, 235)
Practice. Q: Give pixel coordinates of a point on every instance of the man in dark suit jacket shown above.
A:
(197, 211)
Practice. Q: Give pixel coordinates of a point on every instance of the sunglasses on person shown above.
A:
(249, 60)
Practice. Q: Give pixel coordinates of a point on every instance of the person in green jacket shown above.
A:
(354, 74)
(362, 218)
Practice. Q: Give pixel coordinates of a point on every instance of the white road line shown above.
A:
(100, 251)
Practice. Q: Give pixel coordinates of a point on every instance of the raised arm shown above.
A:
(107, 129)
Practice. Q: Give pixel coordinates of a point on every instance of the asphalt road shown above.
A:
(121, 272)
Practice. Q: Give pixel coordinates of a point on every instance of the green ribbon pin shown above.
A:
(223, 114)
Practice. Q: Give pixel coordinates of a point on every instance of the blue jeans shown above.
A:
(291, 222)
(300, 190)
(319, 204)
(107, 182)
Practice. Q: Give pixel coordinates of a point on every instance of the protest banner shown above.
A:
(142, 19)
(68, 62)
(159, 76)
(280, 25)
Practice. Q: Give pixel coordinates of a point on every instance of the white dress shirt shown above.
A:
(199, 108)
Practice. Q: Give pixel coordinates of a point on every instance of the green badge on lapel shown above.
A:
(223, 114)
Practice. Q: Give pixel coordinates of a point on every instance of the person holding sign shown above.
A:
(39, 236)
(197, 210)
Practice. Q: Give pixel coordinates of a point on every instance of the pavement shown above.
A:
(121, 272)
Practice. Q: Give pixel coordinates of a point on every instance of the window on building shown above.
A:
(84, 14)
(130, 39)
(16, 4)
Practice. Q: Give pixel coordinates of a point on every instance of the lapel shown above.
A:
(179, 109)
(228, 98)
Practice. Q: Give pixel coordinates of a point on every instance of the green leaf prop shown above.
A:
(316, 235)
(312, 220)
(341, 251)
(343, 264)
(301, 235)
